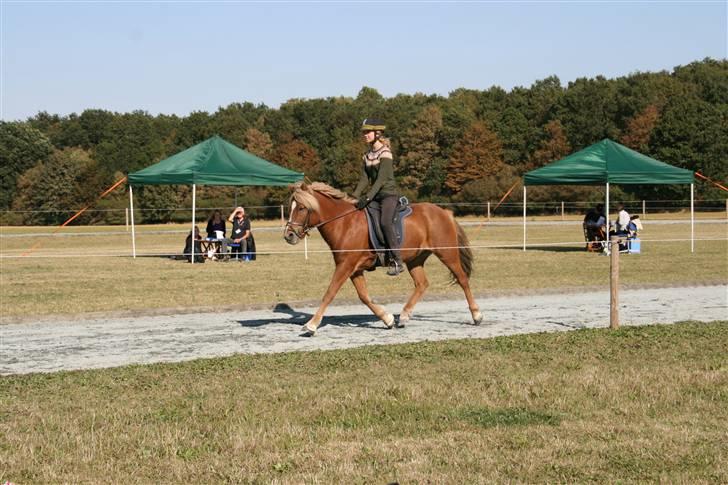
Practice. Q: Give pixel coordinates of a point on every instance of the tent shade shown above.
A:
(214, 162)
(610, 162)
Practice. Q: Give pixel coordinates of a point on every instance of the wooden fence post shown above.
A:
(489, 208)
(283, 220)
(643, 209)
(562, 210)
(614, 283)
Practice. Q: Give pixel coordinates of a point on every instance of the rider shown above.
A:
(378, 171)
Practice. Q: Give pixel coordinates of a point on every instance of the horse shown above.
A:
(428, 230)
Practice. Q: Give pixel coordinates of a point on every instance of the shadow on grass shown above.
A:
(300, 318)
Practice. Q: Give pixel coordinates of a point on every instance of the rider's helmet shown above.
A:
(373, 124)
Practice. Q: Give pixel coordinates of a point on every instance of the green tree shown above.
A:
(420, 149)
(691, 133)
(342, 160)
(131, 144)
(554, 146)
(21, 147)
(588, 111)
(491, 188)
(159, 202)
(56, 189)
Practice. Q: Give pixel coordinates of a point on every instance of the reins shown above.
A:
(332, 219)
(306, 228)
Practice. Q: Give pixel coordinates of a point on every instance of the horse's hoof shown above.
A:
(402, 320)
(388, 320)
(477, 318)
(308, 331)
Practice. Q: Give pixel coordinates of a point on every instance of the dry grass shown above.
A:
(71, 273)
(633, 405)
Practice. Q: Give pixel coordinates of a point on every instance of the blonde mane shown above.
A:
(303, 194)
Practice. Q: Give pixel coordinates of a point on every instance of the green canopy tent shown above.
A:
(215, 161)
(607, 163)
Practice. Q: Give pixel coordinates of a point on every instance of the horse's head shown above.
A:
(302, 206)
(305, 208)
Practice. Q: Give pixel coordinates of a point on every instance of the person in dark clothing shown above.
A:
(377, 173)
(187, 252)
(241, 231)
(215, 223)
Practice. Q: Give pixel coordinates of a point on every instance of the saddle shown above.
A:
(376, 238)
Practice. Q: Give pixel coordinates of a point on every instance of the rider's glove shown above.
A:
(361, 203)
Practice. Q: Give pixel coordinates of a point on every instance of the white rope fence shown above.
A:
(124, 253)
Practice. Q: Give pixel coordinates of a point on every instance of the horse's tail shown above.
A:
(466, 254)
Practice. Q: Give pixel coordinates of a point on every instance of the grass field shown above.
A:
(88, 269)
(641, 404)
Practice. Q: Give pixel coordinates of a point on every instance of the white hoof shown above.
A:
(404, 318)
(477, 317)
(388, 320)
(309, 329)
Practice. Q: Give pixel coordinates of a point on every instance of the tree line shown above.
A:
(470, 146)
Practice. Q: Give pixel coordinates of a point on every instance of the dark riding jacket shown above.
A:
(377, 171)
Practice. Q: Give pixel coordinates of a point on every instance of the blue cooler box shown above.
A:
(634, 245)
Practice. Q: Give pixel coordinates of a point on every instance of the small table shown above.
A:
(208, 245)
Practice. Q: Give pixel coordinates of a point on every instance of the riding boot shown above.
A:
(389, 208)
(396, 266)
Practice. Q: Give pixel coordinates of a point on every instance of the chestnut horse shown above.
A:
(428, 230)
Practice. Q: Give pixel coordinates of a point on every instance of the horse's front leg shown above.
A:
(341, 273)
(417, 271)
(360, 283)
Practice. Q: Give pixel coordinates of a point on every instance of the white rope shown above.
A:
(297, 252)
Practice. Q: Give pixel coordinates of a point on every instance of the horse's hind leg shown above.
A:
(451, 258)
(417, 271)
(360, 283)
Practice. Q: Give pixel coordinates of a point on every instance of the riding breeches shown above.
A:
(389, 206)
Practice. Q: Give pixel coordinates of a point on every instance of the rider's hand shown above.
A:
(361, 203)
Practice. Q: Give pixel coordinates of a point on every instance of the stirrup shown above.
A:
(395, 268)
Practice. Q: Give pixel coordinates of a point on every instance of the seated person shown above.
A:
(215, 223)
(634, 226)
(623, 219)
(241, 232)
(595, 228)
(187, 252)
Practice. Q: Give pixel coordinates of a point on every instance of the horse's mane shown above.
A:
(303, 193)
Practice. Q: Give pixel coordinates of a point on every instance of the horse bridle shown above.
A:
(305, 228)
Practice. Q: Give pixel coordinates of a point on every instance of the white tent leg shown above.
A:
(606, 214)
(692, 218)
(606, 209)
(133, 234)
(524, 217)
(192, 239)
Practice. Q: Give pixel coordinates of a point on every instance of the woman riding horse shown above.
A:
(378, 171)
(429, 230)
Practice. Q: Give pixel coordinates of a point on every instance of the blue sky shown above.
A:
(179, 57)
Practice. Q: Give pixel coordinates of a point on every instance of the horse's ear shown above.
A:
(304, 186)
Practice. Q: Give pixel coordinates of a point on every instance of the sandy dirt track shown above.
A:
(109, 342)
